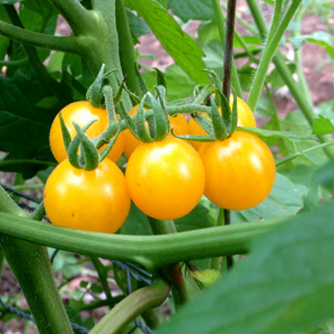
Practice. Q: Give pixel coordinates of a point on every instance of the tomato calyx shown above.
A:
(89, 157)
(149, 125)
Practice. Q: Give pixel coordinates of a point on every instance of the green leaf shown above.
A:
(325, 175)
(322, 126)
(285, 199)
(196, 219)
(321, 38)
(136, 223)
(286, 286)
(183, 49)
(137, 26)
(178, 82)
(24, 127)
(276, 134)
(9, 2)
(192, 9)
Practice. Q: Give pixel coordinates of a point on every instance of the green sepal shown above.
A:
(65, 133)
(108, 148)
(140, 120)
(160, 113)
(199, 138)
(226, 114)
(129, 122)
(89, 151)
(180, 102)
(161, 80)
(214, 78)
(142, 85)
(72, 151)
(202, 95)
(94, 93)
(218, 123)
(136, 98)
(205, 123)
(234, 116)
(118, 96)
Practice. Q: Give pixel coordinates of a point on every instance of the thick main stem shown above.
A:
(31, 266)
(150, 251)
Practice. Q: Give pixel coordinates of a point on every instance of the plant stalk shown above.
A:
(150, 251)
(130, 307)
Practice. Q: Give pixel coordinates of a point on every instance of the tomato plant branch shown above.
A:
(220, 24)
(150, 251)
(77, 16)
(285, 72)
(126, 49)
(173, 272)
(130, 307)
(30, 264)
(66, 44)
(303, 152)
(270, 48)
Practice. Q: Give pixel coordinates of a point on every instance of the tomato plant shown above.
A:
(82, 112)
(240, 171)
(95, 200)
(178, 123)
(245, 118)
(101, 54)
(166, 178)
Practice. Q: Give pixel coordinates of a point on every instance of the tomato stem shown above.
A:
(30, 264)
(150, 251)
(130, 307)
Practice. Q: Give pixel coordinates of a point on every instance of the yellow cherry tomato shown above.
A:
(165, 179)
(245, 118)
(82, 112)
(178, 123)
(240, 171)
(96, 200)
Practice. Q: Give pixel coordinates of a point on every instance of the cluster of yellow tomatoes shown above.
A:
(165, 179)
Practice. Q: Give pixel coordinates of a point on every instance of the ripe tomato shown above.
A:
(240, 171)
(82, 113)
(96, 200)
(178, 123)
(165, 179)
(245, 118)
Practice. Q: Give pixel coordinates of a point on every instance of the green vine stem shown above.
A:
(285, 73)
(31, 266)
(130, 307)
(67, 44)
(126, 49)
(77, 16)
(221, 28)
(150, 251)
(172, 272)
(270, 48)
(303, 153)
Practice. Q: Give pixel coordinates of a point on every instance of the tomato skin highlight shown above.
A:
(82, 112)
(95, 200)
(165, 179)
(240, 171)
(245, 118)
(178, 123)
